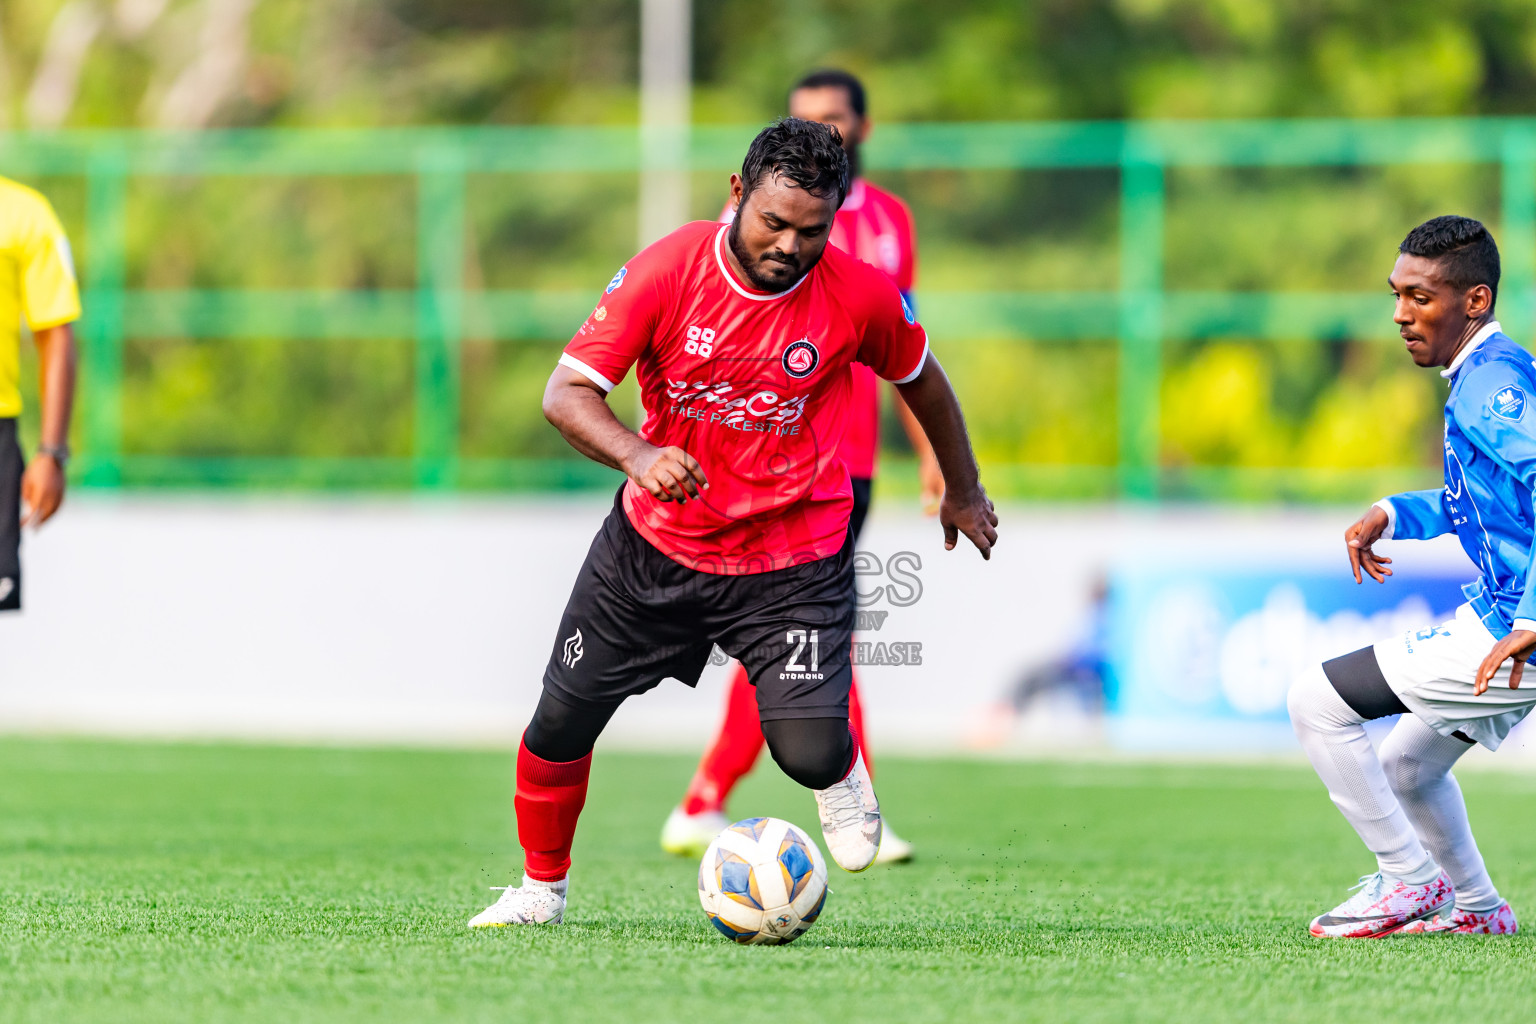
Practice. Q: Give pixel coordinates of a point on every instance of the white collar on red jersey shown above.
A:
(731, 278)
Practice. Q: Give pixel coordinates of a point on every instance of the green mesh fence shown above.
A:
(1124, 312)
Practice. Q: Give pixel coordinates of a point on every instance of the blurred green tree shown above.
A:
(221, 63)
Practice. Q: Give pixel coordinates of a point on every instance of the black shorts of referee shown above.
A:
(11, 467)
(636, 617)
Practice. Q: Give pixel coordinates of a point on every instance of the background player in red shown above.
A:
(875, 226)
(733, 527)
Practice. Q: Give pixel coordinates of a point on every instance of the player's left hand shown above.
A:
(972, 515)
(1519, 645)
(42, 490)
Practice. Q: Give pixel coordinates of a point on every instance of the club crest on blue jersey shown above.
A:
(906, 311)
(801, 359)
(618, 279)
(1508, 403)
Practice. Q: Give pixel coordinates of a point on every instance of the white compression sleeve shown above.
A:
(1418, 764)
(1333, 735)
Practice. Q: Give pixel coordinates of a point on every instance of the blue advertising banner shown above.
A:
(1202, 658)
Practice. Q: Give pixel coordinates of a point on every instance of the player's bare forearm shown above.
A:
(965, 507)
(42, 487)
(57, 361)
(933, 404)
(579, 409)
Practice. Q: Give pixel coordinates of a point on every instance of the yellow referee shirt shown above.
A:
(37, 280)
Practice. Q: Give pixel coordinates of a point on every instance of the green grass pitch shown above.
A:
(226, 883)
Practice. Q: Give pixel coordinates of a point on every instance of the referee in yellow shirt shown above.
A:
(37, 281)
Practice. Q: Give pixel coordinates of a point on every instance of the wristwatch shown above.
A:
(60, 453)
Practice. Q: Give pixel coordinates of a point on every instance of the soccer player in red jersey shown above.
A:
(732, 528)
(875, 226)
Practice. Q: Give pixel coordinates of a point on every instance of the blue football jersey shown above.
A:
(1490, 477)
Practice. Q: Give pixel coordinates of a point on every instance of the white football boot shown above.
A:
(1382, 905)
(689, 835)
(850, 819)
(893, 848)
(533, 902)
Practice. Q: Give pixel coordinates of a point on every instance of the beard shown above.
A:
(761, 271)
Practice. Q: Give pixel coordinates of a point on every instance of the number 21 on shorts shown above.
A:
(800, 639)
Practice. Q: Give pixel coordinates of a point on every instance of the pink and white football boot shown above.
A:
(1383, 906)
(1498, 921)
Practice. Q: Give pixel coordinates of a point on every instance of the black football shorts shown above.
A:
(11, 466)
(636, 617)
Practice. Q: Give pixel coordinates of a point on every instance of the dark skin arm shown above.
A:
(42, 486)
(1519, 645)
(578, 408)
(965, 507)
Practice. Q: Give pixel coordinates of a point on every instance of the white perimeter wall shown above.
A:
(424, 621)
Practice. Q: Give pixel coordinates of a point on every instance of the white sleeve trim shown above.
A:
(66, 254)
(566, 359)
(1526, 624)
(922, 361)
(1386, 506)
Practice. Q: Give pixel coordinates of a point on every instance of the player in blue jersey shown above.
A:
(1456, 683)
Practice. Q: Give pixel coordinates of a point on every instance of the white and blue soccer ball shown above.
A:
(763, 882)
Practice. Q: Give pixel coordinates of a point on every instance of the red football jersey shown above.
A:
(876, 227)
(754, 385)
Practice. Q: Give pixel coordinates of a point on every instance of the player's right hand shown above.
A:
(972, 515)
(668, 474)
(42, 490)
(1365, 531)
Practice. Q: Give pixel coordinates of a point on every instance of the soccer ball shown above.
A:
(763, 882)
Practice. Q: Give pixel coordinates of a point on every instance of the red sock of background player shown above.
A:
(856, 724)
(733, 752)
(549, 798)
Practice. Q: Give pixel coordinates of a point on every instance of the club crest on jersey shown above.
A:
(618, 279)
(1508, 403)
(801, 359)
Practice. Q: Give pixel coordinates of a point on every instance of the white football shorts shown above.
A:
(1433, 671)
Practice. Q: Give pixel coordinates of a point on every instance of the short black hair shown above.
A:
(808, 153)
(835, 78)
(1463, 248)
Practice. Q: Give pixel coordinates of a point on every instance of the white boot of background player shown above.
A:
(893, 848)
(533, 902)
(689, 835)
(850, 819)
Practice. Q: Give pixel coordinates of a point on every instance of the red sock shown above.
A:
(550, 795)
(856, 724)
(733, 752)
